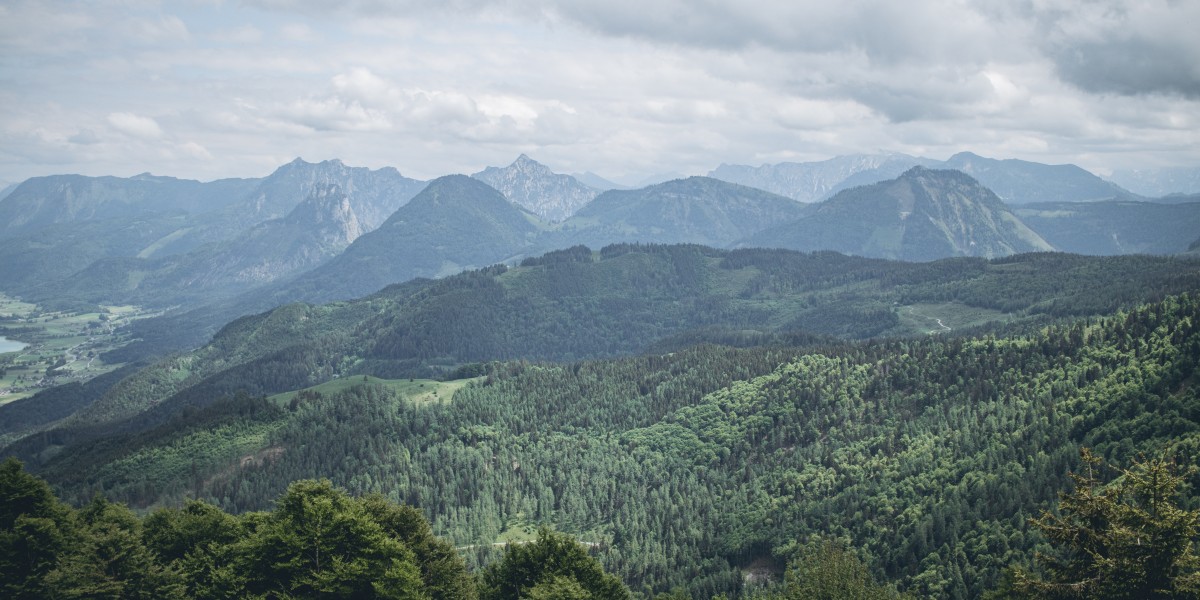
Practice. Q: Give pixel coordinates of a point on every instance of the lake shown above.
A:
(7, 345)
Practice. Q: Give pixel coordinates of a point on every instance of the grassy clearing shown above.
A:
(519, 532)
(417, 391)
(948, 316)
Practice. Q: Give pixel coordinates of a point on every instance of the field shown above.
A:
(58, 347)
(417, 391)
(946, 317)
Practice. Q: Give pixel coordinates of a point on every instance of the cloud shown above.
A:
(298, 32)
(135, 125)
(619, 87)
(244, 34)
(85, 137)
(194, 150)
(157, 28)
(1123, 48)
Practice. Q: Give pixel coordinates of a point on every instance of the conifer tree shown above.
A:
(1127, 540)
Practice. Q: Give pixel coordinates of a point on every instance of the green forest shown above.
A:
(917, 465)
(1129, 539)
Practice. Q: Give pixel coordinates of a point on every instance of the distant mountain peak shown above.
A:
(812, 181)
(697, 209)
(924, 214)
(534, 187)
(374, 194)
(965, 154)
(527, 165)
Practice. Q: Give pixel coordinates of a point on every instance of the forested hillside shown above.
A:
(626, 299)
(928, 455)
(1115, 227)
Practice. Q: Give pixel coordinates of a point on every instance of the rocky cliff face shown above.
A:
(319, 228)
(374, 195)
(534, 187)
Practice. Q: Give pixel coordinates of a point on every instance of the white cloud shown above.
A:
(84, 136)
(619, 87)
(245, 34)
(135, 125)
(298, 32)
(194, 150)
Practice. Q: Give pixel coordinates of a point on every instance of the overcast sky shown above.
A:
(624, 88)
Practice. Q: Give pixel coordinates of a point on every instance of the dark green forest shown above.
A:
(625, 299)
(923, 459)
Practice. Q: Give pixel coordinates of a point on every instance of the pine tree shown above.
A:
(1126, 540)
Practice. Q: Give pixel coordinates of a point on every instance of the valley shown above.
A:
(551, 300)
(700, 382)
(57, 347)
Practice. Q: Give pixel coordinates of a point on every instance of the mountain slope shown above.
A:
(921, 215)
(1021, 182)
(435, 240)
(573, 304)
(1114, 227)
(178, 259)
(43, 201)
(46, 257)
(923, 453)
(597, 182)
(534, 187)
(698, 210)
(319, 228)
(7, 188)
(374, 195)
(453, 224)
(1155, 183)
(813, 181)
(1014, 181)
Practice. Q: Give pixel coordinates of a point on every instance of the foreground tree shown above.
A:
(828, 571)
(553, 566)
(35, 528)
(318, 542)
(1126, 540)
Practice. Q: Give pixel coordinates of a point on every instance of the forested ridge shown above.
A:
(925, 456)
(625, 299)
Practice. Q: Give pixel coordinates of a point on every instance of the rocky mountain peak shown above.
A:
(533, 186)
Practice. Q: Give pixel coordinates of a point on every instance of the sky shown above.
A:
(622, 88)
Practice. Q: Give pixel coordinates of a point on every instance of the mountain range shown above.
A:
(161, 242)
(654, 370)
(40, 202)
(577, 304)
(1014, 181)
(346, 232)
(698, 210)
(815, 181)
(1156, 183)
